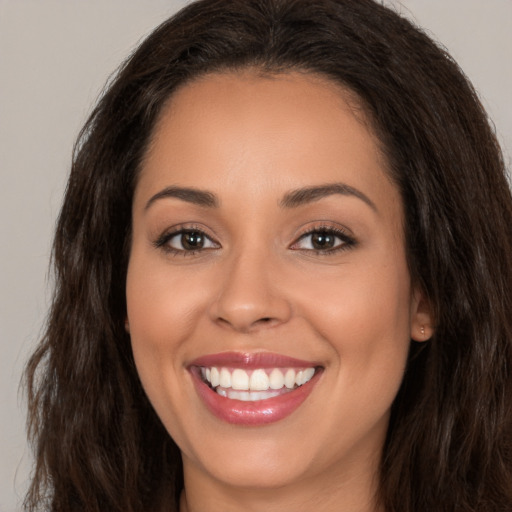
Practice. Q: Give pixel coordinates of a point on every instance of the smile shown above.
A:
(254, 385)
(253, 389)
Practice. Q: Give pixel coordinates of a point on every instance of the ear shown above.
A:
(127, 325)
(422, 321)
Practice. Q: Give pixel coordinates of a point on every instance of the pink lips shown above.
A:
(251, 413)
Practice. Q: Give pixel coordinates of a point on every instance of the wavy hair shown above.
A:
(98, 443)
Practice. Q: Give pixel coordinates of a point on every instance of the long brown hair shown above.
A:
(98, 443)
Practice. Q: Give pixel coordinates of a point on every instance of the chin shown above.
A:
(257, 467)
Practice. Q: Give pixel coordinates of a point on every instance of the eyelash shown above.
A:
(162, 242)
(347, 242)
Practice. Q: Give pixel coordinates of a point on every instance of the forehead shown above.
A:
(234, 131)
(260, 99)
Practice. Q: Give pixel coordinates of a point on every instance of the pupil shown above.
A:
(322, 240)
(192, 240)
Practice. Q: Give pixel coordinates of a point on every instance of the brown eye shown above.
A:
(322, 240)
(186, 241)
(192, 240)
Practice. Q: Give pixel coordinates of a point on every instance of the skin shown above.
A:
(259, 286)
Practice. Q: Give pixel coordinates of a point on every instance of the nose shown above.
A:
(251, 295)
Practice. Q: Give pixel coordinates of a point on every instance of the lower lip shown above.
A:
(261, 412)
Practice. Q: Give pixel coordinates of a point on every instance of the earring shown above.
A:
(422, 330)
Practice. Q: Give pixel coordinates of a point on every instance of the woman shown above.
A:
(283, 276)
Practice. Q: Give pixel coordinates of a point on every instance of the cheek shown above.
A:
(162, 305)
(158, 320)
(365, 301)
(160, 315)
(363, 317)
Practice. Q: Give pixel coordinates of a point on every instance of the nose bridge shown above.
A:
(249, 296)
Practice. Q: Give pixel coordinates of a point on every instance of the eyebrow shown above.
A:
(292, 199)
(307, 195)
(188, 194)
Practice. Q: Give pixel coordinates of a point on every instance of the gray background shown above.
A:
(55, 56)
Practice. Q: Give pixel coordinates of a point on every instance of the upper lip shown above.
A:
(251, 360)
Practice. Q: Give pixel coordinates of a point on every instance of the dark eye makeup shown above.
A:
(324, 240)
(188, 241)
(185, 241)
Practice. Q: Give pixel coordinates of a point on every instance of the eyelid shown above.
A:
(341, 233)
(162, 242)
(348, 240)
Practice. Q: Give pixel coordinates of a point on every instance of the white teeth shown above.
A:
(308, 374)
(304, 375)
(239, 379)
(276, 379)
(289, 378)
(299, 378)
(240, 384)
(215, 377)
(239, 395)
(259, 380)
(225, 378)
(247, 396)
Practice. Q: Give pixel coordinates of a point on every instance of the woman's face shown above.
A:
(268, 257)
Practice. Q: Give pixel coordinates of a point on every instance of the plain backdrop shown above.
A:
(55, 56)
